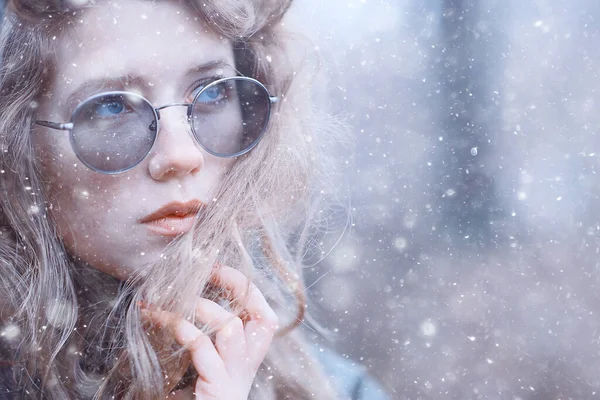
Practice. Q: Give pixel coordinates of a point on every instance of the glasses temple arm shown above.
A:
(56, 125)
(274, 99)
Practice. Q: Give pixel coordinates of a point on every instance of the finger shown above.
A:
(205, 357)
(230, 338)
(259, 335)
(242, 289)
(262, 323)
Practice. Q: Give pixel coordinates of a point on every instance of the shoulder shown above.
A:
(352, 379)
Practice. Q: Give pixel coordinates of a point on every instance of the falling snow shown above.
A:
(470, 270)
(468, 264)
(10, 332)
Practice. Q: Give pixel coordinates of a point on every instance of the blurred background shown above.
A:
(470, 270)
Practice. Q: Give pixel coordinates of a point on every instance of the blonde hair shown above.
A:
(80, 330)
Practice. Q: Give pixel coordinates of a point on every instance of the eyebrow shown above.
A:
(93, 86)
(209, 66)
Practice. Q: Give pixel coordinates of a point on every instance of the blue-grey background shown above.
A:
(471, 270)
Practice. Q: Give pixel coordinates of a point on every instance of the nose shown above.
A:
(175, 153)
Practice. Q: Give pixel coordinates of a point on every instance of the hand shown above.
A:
(227, 367)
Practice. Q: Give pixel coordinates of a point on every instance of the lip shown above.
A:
(174, 218)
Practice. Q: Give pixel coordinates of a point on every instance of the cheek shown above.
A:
(67, 184)
(95, 221)
(212, 175)
(76, 208)
(80, 200)
(53, 152)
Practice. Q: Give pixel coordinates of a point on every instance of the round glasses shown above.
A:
(113, 132)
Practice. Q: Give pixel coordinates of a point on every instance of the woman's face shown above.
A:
(160, 51)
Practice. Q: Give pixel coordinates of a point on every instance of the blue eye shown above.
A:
(212, 94)
(110, 107)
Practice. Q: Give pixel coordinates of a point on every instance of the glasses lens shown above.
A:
(229, 116)
(113, 132)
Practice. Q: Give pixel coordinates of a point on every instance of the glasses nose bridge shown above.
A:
(188, 105)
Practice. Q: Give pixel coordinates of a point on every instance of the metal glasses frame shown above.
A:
(68, 126)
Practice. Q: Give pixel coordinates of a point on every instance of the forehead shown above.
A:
(136, 36)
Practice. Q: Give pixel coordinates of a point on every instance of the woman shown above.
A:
(157, 191)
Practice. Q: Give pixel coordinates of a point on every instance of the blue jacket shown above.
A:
(352, 379)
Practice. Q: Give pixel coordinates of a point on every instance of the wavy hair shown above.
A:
(77, 332)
